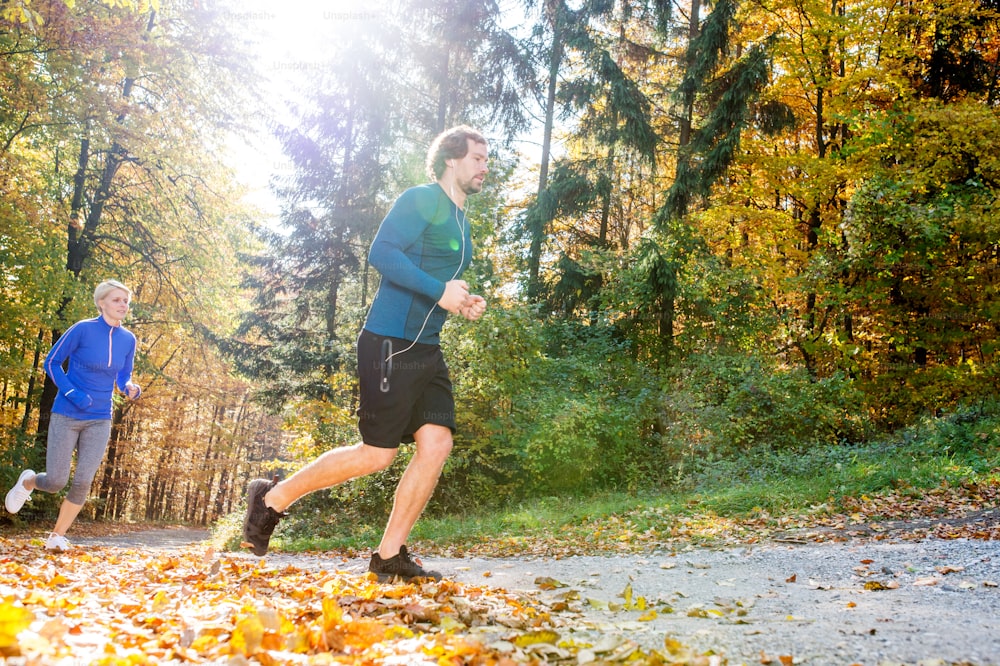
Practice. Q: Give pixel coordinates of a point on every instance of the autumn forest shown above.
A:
(709, 229)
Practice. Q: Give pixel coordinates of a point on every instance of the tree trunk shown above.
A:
(35, 363)
(667, 298)
(687, 113)
(538, 222)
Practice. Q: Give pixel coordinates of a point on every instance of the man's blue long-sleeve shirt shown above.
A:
(100, 356)
(421, 244)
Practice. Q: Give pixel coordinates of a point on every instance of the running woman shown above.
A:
(100, 353)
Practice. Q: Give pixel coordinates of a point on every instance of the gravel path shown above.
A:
(929, 602)
(159, 539)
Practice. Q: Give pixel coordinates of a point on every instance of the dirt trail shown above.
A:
(863, 602)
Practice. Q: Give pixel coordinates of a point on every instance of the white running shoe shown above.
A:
(18, 495)
(57, 542)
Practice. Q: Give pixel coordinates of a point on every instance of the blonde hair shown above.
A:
(107, 287)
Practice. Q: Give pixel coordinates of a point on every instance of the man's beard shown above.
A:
(471, 186)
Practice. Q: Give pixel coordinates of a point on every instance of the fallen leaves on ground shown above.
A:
(968, 511)
(122, 606)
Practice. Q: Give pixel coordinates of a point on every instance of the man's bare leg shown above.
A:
(328, 470)
(416, 486)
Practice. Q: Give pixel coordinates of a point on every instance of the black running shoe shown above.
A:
(260, 519)
(399, 566)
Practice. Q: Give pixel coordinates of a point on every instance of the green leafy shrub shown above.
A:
(719, 405)
(544, 407)
(20, 451)
(906, 393)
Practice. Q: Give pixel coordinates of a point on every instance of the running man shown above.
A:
(421, 250)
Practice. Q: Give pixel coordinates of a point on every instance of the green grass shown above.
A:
(959, 449)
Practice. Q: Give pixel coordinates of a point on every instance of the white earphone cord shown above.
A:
(387, 365)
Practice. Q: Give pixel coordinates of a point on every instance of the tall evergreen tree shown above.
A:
(614, 114)
(721, 89)
(615, 124)
(339, 148)
(359, 137)
(464, 65)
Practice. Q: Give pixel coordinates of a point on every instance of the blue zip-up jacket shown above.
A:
(100, 356)
(421, 244)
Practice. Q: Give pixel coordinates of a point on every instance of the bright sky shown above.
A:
(292, 36)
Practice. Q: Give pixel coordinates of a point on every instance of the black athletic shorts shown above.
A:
(411, 391)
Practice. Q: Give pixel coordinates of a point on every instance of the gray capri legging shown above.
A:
(90, 440)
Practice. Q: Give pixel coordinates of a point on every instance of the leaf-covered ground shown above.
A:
(947, 512)
(120, 606)
(128, 606)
